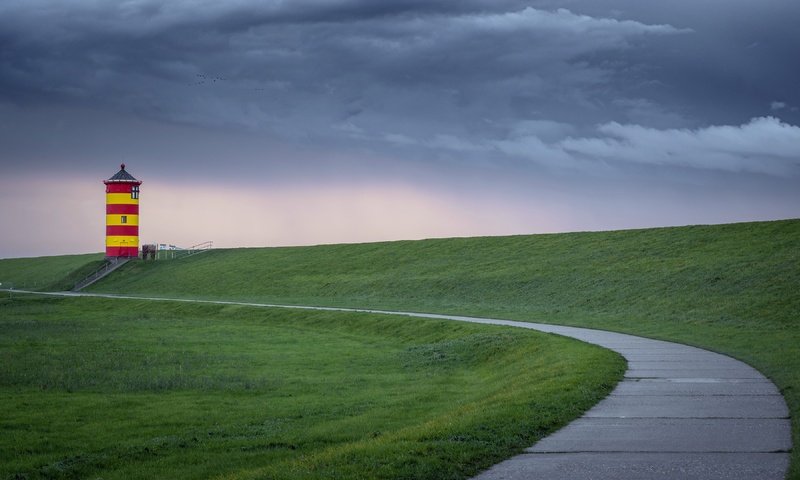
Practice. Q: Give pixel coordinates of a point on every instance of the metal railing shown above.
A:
(105, 269)
(178, 252)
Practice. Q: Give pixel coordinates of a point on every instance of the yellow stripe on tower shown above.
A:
(121, 198)
(114, 220)
(122, 241)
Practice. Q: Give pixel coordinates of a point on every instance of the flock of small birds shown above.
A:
(203, 79)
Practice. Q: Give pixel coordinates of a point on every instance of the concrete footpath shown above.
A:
(680, 413)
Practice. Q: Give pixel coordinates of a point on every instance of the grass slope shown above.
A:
(119, 389)
(48, 273)
(730, 288)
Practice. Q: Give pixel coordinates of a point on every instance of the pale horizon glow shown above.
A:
(185, 215)
(67, 216)
(320, 214)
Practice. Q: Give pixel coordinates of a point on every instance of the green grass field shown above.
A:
(48, 273)
(729, 288)
(121, 389)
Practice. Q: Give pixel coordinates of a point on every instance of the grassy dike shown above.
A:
(48, 273)
(729, 288)
(121, 389)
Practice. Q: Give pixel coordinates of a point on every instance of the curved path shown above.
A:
(680, 413)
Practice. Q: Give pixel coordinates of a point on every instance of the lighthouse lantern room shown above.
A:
(122, 215)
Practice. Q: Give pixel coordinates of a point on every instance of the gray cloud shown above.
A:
(763, 145)
(299, 68)
(471, 80)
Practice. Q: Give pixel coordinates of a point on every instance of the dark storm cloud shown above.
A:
(475, 80)
(738, 60)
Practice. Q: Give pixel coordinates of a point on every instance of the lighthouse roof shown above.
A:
(122, 177)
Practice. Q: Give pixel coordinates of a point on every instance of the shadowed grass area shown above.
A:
(118, 389)
(730, 288)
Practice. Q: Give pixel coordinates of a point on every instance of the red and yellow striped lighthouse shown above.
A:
(122, 215)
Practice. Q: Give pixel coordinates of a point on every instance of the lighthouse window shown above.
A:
(123, 219)
(135, 191)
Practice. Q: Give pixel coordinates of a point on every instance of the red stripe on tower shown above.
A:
(128, 252)
(122, 230)
(119, 186)
(122, 209)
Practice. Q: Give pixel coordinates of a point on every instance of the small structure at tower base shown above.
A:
(149, 250)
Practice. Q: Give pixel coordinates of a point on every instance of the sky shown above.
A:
(272, 122)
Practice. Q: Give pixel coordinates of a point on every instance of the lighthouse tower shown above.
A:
(122, 215)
